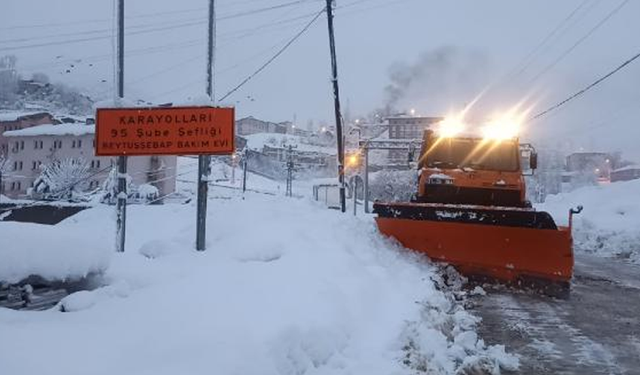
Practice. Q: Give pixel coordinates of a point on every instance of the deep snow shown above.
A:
(285, 287)
(43, 250)
(610, 222)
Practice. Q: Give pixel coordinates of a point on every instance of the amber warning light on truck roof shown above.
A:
(164, 131)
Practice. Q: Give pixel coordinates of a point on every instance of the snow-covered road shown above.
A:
(595, 331)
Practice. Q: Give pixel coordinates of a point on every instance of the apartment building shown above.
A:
(251, 125)
(29, 149)
(12, 120)
(407, 128)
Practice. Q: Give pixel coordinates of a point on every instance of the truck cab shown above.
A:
(471, 170)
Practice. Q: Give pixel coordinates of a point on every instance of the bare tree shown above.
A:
(63, 179)
(4, 171)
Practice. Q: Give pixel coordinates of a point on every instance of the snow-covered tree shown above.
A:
(63, 179)
(110, 187)
(4, 170)
(147, 193)
(393, 186)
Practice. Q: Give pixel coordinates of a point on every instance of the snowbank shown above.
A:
(285, 287)
(610, 222)
(49, 252)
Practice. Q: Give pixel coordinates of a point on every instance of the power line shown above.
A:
(146, 15)
(579, 41)
(589, 87)
(247, 32)
(531, 56)
(284, 48)
(146, 28)
(235, 35)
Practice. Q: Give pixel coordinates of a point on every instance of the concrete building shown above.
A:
(251, 125)
(628, 173)
(407, 128)
(19, 120)
(29, 149)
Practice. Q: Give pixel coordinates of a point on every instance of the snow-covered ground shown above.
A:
(609, 225)
(285, 287)
(44, 250)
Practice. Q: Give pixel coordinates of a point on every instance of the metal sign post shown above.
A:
(204, 161)
(121, 216)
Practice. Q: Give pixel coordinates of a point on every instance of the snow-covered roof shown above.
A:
(257, 141)
(628, 168)
(50, 129)
(14, 115)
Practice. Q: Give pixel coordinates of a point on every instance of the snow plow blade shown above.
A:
(517, 245)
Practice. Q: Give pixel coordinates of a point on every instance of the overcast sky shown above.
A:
(437, 55)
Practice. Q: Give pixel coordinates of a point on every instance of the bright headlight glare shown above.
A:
(450, 127)
(501, 129)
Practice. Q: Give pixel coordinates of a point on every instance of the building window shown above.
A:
(95, 164)
(57, 144)
(36, 164)
(17, 165)
(38, 145)
(16, 185)
(76, 144)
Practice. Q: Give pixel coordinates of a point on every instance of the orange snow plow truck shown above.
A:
(470, 211)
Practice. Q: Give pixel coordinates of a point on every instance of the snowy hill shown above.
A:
(610, 222)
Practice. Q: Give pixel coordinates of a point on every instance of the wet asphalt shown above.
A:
(596, 330)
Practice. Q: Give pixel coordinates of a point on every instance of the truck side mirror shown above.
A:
(533, 161)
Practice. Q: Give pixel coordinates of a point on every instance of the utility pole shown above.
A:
(121, 206)
(336, 100)
(366, 178)
(204, 161)
(245, 159)
(290, 168)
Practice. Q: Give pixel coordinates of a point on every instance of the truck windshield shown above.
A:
(473, 153)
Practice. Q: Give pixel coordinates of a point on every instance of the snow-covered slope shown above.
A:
(610, 222)
(43, 250)
(285, 287)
